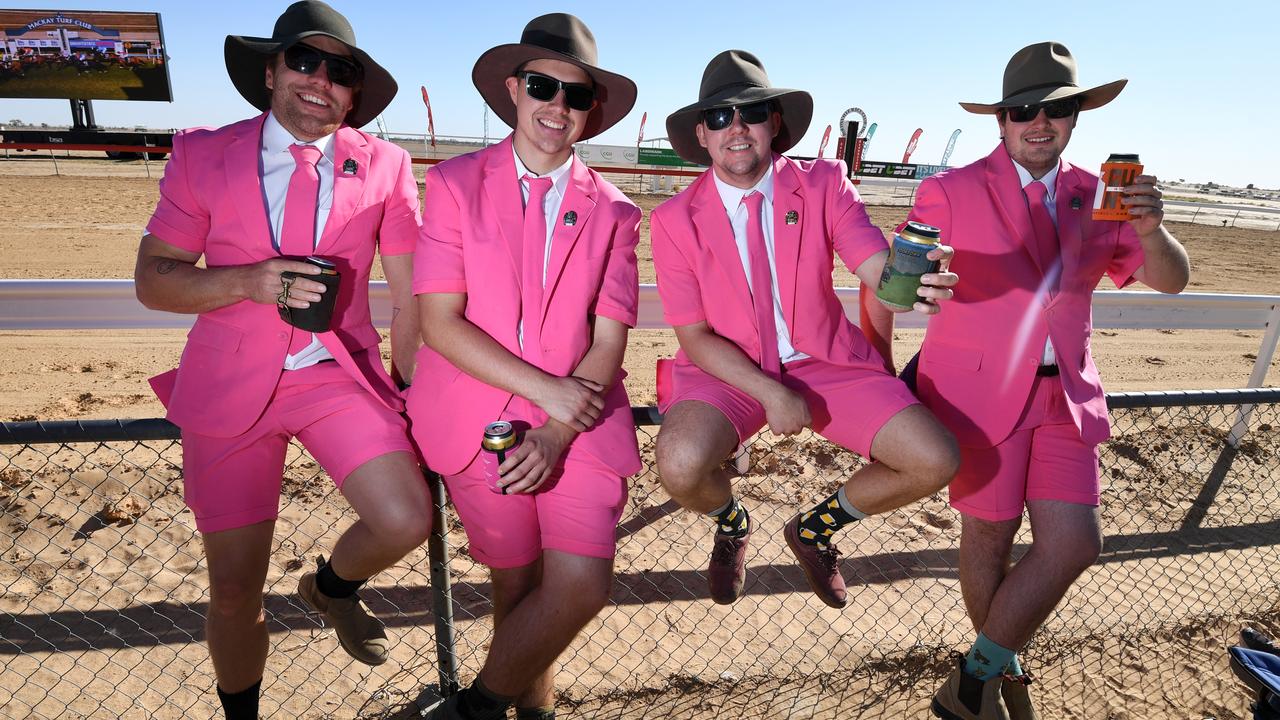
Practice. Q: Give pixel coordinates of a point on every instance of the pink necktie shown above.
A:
(534, 241)
(298, 231)
(1042, 223)
(762, 287)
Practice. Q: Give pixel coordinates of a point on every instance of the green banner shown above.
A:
(663, 156)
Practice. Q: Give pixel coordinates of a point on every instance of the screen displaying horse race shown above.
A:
(82, 55)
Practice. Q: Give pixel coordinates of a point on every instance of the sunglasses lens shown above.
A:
(306, 60)
(303, 59)
(1056, 110)
(1060, 109)
(579, 97)
(540, 87)
(343, 72)
(754, 114)
(717, 118)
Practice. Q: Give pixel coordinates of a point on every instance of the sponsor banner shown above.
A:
(665, 157)
(911, 145)
(606, 154)
(906, 171)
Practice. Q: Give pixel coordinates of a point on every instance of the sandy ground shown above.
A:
(98, 557)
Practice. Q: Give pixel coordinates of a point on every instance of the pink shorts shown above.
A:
(575, 511)
(235, 482)
(849, 405)
(1043, 459)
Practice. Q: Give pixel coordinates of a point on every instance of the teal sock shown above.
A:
(1014, 667)
(731, 519)
(986, 659)
(820, 522)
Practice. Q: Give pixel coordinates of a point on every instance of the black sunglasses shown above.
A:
(544, 88)
(1056, 110)
(722, 117)
(305, 59)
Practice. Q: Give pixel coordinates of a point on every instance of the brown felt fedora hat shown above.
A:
(247, 58)
(736, 77)
(1044, 72)
(557, 36)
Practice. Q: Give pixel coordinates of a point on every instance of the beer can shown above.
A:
(499, 439)
(907, 262)
(319, 316)
(1118, 171)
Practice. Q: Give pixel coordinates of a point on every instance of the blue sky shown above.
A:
(1201, 102)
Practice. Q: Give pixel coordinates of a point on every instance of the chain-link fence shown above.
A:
(103, 591)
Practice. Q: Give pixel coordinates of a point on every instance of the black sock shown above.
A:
(333, 586)
(732, 519)
(536, 713)
(818, 524)
(242, 705)
(480, 703)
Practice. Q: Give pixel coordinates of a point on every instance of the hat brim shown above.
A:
(795, 107)
(615, 94)
(246, 59)
(1090, 98)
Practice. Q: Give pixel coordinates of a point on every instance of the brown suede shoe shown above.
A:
(821, 566)
(1016, 692)
(965, 697)
(727, 570)
(359, 632)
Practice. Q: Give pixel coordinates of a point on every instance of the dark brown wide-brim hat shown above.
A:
(736, 77)
(247, 58)
(1044, 72)
(557, 36)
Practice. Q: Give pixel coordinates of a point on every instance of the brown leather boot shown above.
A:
(727, 571)
(821, 566)
(1016, 692)
(965, 697)
(359, 632)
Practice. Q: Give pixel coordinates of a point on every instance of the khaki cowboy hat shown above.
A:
(247, 58)
(736, 77)
(1042, 73)
(557, 36)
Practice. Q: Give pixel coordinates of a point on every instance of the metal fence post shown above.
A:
(1266, 351)
(441, 589)
(54, 158)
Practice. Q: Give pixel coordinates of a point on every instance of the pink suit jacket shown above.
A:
(211, 202)
(980, 353)
(701, 277)
(471, 243)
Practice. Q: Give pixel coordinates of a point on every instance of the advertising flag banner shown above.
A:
(911, 145)
(431, 122)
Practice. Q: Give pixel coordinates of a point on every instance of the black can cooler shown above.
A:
(318, 316)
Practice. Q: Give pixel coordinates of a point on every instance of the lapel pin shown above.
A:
(571, 218)
(1075, 203)
(349, 166)
(793, 217)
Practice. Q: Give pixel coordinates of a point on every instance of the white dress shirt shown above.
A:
(732, 197)
(1050, 181)
(276, 164)
(550, 209)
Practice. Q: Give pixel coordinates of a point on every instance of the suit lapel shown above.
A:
(1070, 232)
(242, 160)
(580, 199)
(712, 222)
(502, 188)
(348, 145)
(787, 202)
(1006, 192)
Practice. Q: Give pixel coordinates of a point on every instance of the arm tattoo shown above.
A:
(394, 312)
(166, 266)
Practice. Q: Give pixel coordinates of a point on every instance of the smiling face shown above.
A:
(309, 106)
(1037, 144)
(740, 153)
(546, 131)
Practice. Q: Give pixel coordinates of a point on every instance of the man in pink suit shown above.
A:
(254, 198)
(527, 285)
(744, 258)
(1008, 369)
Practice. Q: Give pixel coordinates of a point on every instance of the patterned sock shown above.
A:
(986, 659)
(480, 703)
(1014, 667)
(242, 705)
(818, 524)
(536, 713)
(328, 582)
(732, 519)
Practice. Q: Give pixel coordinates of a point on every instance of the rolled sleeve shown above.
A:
(1128, 257)
(678, 285)
(619, 294)
(401, 220)
(437, 262)
(853, 234)
(179, 218)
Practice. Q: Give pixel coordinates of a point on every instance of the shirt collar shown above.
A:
(732, 196)
(276, 139)
(559, 176)
(1050, 179)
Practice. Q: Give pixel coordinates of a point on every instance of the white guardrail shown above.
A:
(111, 304)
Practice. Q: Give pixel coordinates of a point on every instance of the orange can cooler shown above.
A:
(1117, 172)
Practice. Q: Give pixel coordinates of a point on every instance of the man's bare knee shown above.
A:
(682, 464)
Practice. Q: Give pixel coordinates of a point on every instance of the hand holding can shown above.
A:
(908, 261)
(1118, 171)
(499, 440)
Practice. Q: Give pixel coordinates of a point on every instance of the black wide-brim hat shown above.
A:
(247, 59)
(1045, 72)
(736, 77)
(557, 36)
